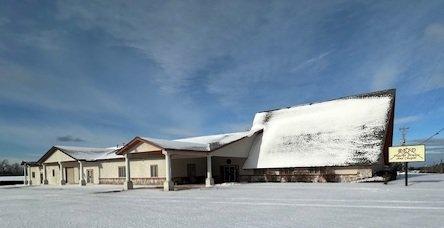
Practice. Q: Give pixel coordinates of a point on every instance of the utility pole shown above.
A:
(406, 164)
(404, 131)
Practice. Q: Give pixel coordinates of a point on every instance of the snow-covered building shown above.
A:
(197, 159)
(338, 140)
(64, 164)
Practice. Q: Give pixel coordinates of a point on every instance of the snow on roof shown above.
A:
(177, 145)
(216, 141)
(90, 153)
(31, 163)
(201, 143)
(333, 133)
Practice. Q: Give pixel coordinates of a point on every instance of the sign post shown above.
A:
(406, 154)
(406, 165)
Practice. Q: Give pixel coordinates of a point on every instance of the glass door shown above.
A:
(89, 176)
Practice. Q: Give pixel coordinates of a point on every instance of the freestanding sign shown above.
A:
(411, 153)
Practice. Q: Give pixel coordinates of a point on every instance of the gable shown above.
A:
(58, 156)
(239, 148)
(143, 147)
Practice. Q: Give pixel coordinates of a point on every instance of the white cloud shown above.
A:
(386, 76)
(179, 42)
(394, 52)
(188, 40)
(238, 55)
(37, 134)
(175, 132)
(435, 32)
(432, 81)
(236, 127)
(33, 87)
(311, 61)
(407, 119)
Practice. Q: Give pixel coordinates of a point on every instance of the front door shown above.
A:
(70, 176)
(41, 178)
(191, 173)
(230, 173)
(89, 176)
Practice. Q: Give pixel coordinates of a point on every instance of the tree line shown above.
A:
(437, 168)
(7, 169)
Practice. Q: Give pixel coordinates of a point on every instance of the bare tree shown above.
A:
(7, 169)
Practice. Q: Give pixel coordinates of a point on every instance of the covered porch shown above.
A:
(63, 165)
(191, 161)
(67, 172)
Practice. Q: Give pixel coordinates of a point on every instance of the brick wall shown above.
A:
(136, 181)
(313, 174)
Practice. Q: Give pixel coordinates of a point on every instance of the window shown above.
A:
(122, 171)
(153, 169)
(33, 174)
(53, 173)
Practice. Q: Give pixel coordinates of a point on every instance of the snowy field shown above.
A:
(242, 205)
(12, 178)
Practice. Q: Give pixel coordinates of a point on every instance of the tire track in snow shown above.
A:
(310, 205)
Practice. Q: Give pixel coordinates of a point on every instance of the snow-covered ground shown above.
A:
(240, 205)
(12, 178)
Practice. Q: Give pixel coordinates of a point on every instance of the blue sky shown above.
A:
(97, 73)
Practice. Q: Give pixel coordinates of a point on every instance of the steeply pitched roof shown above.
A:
(339, 132)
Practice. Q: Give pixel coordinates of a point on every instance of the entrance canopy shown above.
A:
(195, 146)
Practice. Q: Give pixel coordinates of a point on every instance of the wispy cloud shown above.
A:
(311, 61)
(435, 146)
(69, 138)
(386, 76)
(107, 70)
(435, 32)
(434, 150)
(185, 45)
(407, 119)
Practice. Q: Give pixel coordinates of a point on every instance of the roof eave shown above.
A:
(237, 140)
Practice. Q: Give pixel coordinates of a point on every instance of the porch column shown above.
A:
(82, 181)
(128, 184)
(168, 185)
(29, 175)
(45, 178)
(25, 174)
(209, 181)
(62, 180)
